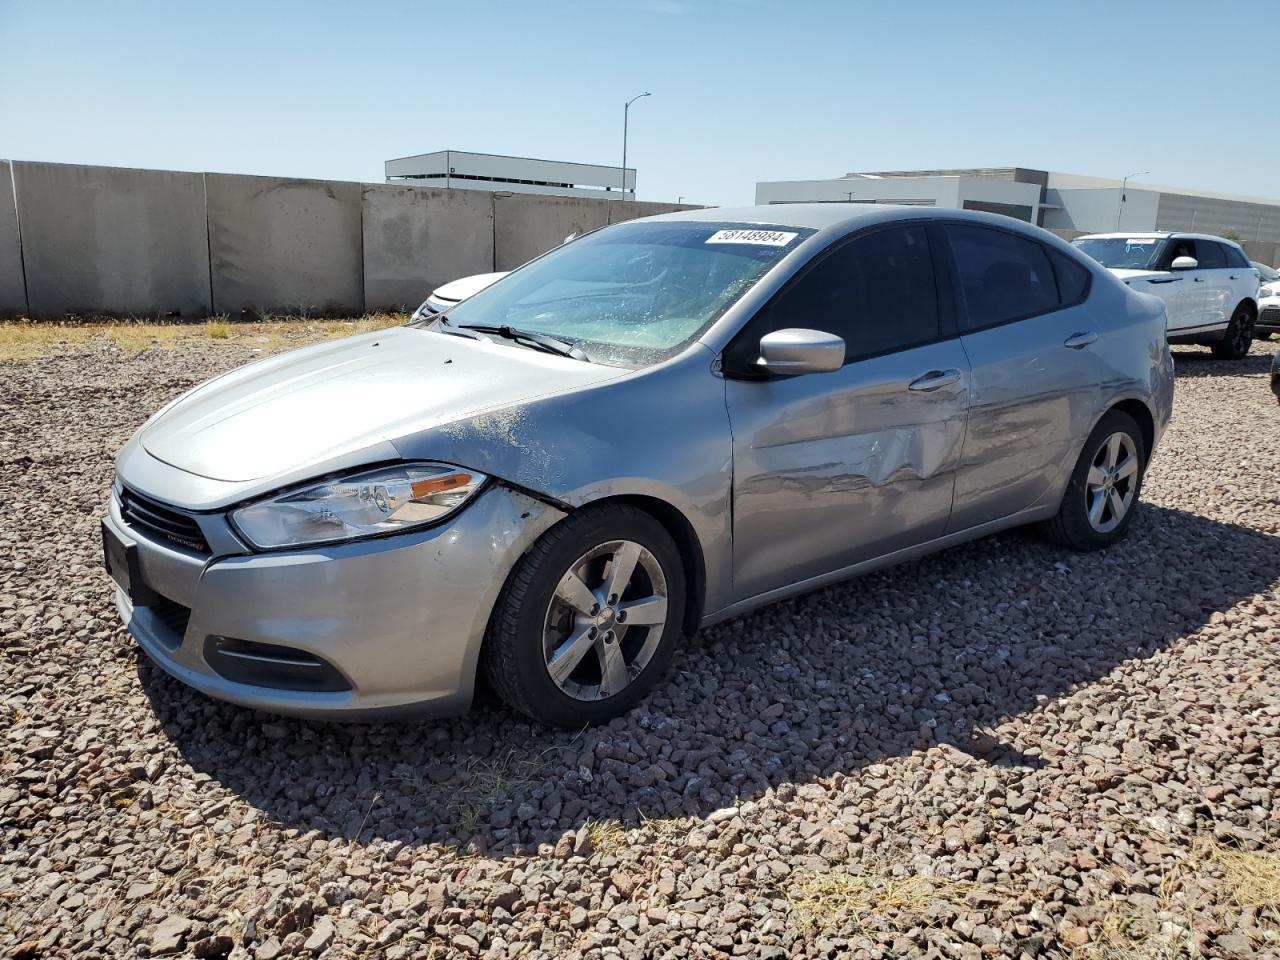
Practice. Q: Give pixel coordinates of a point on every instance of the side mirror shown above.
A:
(1184, 263)
(794, 351)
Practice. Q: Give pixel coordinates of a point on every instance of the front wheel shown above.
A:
(589, 619)
(1235, 343)
(1102, 494)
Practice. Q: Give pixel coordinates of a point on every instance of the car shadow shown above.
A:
(1199, 362)
(940, 649)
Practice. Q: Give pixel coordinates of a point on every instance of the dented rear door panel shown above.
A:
(832, 469)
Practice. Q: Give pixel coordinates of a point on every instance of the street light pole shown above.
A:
(1124, 183)
(626, 109)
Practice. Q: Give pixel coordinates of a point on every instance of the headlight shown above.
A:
(365, 504)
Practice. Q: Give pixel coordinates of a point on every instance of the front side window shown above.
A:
(1122, 253)
(634, 293)
(1002, 277)
(1210, 255)
(876, 292)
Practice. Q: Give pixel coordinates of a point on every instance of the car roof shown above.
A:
(1155, 235)
(838, 217)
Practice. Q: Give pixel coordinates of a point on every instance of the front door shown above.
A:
(1185, 292)
(835, 468)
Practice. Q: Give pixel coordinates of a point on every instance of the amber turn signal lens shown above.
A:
(425, 488)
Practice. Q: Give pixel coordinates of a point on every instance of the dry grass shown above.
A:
(25, 340)
(872, 900)
(1209, 877)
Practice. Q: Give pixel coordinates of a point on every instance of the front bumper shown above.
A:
(400, 620)
(1268, 315)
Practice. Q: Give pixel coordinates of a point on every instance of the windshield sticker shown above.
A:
(1140, 242)
(761, 238)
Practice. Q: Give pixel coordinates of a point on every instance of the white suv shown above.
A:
(1207, 283)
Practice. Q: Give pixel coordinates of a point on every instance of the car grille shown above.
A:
(146, 515)
(1269, 315)
(174, 616)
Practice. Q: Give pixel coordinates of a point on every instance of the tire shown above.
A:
(1235, 343)
(1075, 525)
(541, 615)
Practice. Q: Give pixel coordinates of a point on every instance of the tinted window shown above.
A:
(1073, 279)
(1235, 256)
(1003, 277)
(1210, 255)
(877, 292)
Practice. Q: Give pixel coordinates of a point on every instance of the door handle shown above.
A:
(933, 380)
(1078, 341)
(1199, 279)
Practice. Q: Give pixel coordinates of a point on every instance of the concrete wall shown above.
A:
(1263, 251)
(278, 244)
(416, 238)
(107, 239)
(95, 240)
(525, 227)
(1248, 221)
(13, 288)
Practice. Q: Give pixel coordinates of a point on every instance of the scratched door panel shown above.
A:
(832, 469)
(1032, 404)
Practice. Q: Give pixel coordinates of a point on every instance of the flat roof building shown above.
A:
(1064, 202)
(460, 170)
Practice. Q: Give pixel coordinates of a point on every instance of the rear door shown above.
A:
(834, 468)
(1036, 360)
(1244, 278)
(1216, 286)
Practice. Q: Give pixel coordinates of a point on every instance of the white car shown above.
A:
(455, 291)
(1207, 283)
(1268, 302)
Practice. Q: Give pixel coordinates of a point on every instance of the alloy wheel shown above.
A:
(1112, 482)
(1241, 332)
(605, 621)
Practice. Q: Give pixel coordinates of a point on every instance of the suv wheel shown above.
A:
(1102, 494)
(1235, 343)
(589, 619)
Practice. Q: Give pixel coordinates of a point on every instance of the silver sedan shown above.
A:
(666, 423)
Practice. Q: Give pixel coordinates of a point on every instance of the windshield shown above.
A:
(1267, 273)
(1126, 253)
(636, 292)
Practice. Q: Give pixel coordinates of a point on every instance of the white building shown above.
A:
(460, 170)
(1059, 201)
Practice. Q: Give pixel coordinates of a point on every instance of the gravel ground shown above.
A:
(1003, 750)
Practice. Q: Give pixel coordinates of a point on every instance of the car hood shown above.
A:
(321, 403)
(464, 287)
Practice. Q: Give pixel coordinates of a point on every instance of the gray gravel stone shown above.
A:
(1049, 739)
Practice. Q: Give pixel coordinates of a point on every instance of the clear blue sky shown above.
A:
(743, 90)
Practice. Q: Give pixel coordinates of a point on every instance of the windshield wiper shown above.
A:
(539, 341)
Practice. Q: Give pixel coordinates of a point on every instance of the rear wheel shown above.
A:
(589, 620)
(1235, 343)
(1102, 494)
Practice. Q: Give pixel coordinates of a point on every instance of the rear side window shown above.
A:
(1002, 277)
(1209, 255)
(877, 292)
(1235, 256)
(1073, 279)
